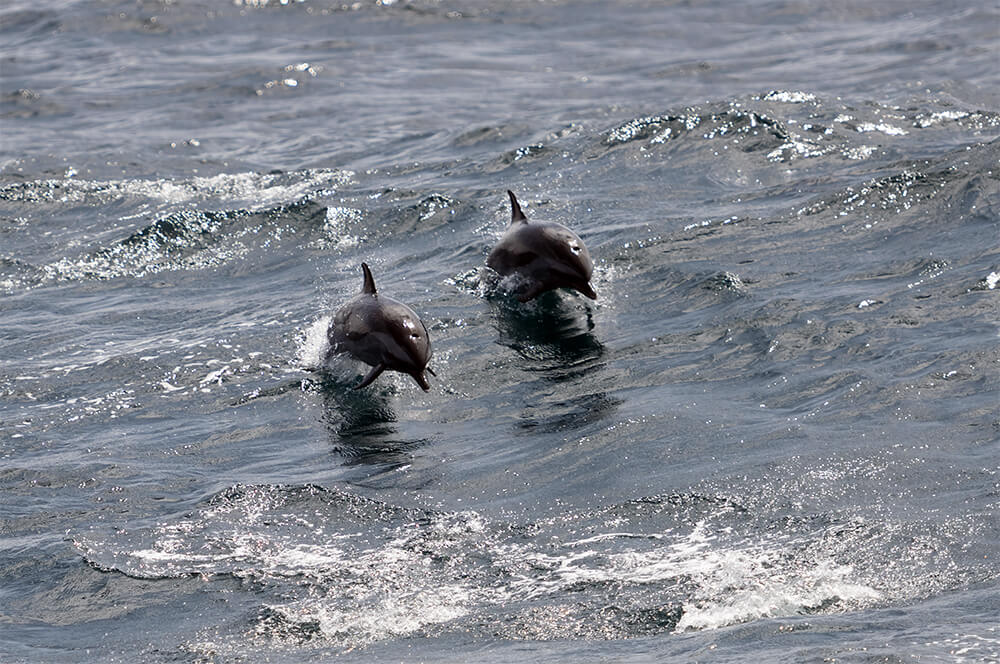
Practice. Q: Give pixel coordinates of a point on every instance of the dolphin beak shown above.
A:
(421, 380)
(587, 290)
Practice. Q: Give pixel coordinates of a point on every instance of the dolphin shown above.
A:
(546, 255)
(381, 332)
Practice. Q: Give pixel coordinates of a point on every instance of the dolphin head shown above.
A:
(407, 344)
(569, 264)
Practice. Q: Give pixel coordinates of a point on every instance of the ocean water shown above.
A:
(773, 437)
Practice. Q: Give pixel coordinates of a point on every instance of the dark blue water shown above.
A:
(774, 436)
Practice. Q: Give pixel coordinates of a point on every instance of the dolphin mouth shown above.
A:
(421, 380)
(587, 290)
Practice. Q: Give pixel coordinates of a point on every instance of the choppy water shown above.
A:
(774, 436)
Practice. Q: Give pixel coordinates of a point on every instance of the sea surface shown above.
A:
(774, 437)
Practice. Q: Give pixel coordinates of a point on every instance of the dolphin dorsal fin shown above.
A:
(515, 209)
(369, 286)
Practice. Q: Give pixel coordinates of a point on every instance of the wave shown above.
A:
(347, 571)
(198, 223)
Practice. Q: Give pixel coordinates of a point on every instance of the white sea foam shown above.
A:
(924, 121)
(737, 586)
(797, 147)
(251, 190)
(314, 343)
(381, 617)
(790, 96)
(887, 129)
(360, 586)
(336, 229)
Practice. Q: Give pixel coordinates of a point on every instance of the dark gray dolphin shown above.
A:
(381, 332)
(546, 254)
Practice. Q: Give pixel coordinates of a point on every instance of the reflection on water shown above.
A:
(361, 426)
(553, 333)
(567, 415)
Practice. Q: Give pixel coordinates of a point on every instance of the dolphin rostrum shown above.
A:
(381, 332)
(546, 255)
